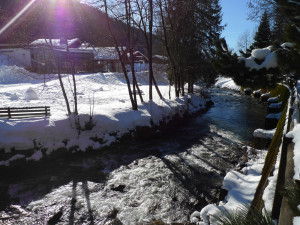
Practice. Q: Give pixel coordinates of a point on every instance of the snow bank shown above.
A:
(269, 192)
(30, 94)
(296, 220)
(14, 75)
(266, 134)
(105, 95)
(241, 186)
(295, 134)
(35, 156)
(224, 82)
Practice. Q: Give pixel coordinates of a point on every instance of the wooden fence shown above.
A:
(24, 112)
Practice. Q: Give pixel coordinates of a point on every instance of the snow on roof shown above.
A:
(55, 42)
(106, 53)
(138, 52)
(161, 57)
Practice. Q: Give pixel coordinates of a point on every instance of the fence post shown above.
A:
(8, 110)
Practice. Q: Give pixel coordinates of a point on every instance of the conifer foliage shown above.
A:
(289, 59)
(263, 36)
(188, 31)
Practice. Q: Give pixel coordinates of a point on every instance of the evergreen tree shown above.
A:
(263, 37)
(289, 58)
(189, 29)
(280, 21)
(229, 64)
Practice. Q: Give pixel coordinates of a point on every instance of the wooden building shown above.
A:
(47, 55)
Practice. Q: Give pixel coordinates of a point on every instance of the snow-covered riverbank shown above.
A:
(226, 82)
(105, 96)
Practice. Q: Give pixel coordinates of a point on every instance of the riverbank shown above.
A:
(165, 178)
(104, 111)
(258, 183)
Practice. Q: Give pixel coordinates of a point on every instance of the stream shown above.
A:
(165, 178)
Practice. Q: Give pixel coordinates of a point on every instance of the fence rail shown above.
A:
(24, 112)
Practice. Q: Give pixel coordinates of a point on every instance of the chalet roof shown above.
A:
(57, 43)
(106, 53)
(6, 46)
(160, 57)
(138, 54)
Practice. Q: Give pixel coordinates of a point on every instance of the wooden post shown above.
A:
(8, 110)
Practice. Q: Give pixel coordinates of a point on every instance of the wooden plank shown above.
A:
(25, 112)
(35, 107)
(30, 110)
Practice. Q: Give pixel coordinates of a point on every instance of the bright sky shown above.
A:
(235, 15)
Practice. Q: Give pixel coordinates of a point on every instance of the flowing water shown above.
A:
(165, 178)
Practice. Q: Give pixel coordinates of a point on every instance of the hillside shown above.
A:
(56, 19)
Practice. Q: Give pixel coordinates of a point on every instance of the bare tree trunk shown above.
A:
(60, 79)
(169, 90)
(151, 52)
(182, 86)
(74, 80)
(133, 103)
(76, 115)
(130, 47)
(166, 42)
(149, 42)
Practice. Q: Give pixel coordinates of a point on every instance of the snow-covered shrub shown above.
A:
(252, 69)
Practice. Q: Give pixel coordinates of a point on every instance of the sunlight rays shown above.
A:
(17, 16)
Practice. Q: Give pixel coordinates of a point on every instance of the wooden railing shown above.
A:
(24, 112)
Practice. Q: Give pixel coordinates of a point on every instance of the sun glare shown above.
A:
(16, 17)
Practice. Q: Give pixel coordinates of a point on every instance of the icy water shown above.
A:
(165, 178)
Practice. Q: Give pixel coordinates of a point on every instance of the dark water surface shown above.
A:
(165, 178)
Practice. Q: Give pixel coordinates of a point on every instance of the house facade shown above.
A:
(47, 56)
(52, 56)
(107, 59)
(18, 54)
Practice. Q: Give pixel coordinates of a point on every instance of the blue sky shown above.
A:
(235, 15)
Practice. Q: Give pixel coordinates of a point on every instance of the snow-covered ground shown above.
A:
(241, 187)
(295, 133)
(104, 95)
(225, 82)
(266, 134)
